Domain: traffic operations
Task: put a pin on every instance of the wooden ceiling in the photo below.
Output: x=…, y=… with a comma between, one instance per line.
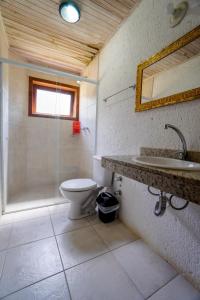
x=37, y=33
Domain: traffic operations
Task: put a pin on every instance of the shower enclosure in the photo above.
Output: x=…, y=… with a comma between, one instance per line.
x=39, y=150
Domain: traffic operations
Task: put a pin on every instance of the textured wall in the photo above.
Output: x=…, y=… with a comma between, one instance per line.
x=42, y=151
x=176, y=236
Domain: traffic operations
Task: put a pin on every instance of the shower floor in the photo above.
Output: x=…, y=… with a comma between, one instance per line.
x=35, y=197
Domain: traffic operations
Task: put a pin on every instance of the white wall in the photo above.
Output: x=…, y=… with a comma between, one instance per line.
x=176, y=236
x=4, y=116
x=43, y=152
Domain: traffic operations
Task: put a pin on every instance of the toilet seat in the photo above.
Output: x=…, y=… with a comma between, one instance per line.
x=78, y=185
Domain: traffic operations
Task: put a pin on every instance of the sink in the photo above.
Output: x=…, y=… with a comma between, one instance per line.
x=167, y=163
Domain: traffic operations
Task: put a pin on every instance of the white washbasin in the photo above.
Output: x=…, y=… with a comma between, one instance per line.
x=167, y=163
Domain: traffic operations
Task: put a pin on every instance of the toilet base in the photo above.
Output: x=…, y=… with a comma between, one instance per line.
x=75, y=212
x=81, y=194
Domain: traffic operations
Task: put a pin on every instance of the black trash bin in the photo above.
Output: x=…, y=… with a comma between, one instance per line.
x=108, y=206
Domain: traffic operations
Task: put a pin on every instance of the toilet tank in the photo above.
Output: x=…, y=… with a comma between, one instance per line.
x=102, y=176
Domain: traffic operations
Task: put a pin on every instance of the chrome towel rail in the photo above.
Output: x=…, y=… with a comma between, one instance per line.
x=119, y=92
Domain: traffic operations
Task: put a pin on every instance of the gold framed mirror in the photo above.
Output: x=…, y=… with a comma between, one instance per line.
x=171, y=75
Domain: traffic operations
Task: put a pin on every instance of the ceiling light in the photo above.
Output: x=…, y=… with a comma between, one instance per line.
x=69, y=11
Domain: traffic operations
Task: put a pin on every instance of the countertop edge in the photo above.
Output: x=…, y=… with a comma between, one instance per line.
x=170, y=181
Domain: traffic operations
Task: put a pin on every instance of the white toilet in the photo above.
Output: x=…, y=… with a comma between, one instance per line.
x=78, y=190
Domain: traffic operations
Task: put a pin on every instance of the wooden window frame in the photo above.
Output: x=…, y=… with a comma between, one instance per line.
x=43, y=84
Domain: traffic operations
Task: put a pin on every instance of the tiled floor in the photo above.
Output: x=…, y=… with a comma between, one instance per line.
x=43, y=255
x=35, y=197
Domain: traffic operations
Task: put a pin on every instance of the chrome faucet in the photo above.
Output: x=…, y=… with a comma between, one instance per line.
x=183, y=152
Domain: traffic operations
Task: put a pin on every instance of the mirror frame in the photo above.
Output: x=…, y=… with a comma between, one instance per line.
x=172, y=99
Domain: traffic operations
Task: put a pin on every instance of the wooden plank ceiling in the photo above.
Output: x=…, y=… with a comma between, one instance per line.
x=37, y=33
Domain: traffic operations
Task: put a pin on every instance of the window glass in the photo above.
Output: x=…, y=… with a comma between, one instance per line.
x=53, y=103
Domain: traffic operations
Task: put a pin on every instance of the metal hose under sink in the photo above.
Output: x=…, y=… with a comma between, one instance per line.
x=161, y=204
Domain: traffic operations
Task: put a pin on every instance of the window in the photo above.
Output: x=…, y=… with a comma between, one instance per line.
x=49, y=99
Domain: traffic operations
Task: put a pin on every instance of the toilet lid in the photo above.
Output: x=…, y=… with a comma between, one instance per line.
x=78, y=185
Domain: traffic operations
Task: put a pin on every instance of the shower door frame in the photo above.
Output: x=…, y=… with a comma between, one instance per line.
x=3, y=140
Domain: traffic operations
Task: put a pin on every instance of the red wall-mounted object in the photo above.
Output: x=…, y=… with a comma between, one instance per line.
x=76, y=127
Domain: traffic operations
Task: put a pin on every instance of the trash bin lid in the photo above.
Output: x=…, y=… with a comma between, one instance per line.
x=106, y=200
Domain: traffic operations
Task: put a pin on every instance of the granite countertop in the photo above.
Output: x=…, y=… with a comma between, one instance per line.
x=184, y=184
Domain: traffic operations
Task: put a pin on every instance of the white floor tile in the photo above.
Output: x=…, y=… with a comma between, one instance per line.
x=177, y=289
x=147, y=270
x=79, y=246
x=59, y=208
x=101, y=279
x=27, y=264
x=6, y=219
x=115, y=234
x=53, y=288
x=94, y=220
x=132, y=272
x=62, y=223
x=30, y=214
x=2, y=259
x=34, y=204
x=5, y=232
x=24, y=215
x=30, y=231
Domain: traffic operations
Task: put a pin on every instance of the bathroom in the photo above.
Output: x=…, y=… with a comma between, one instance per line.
x=44, y=254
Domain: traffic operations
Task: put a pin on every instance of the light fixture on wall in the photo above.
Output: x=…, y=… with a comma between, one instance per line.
x=177, y=13
x=69, y=11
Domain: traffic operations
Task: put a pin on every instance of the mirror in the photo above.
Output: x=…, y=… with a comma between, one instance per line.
x=170, y=76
